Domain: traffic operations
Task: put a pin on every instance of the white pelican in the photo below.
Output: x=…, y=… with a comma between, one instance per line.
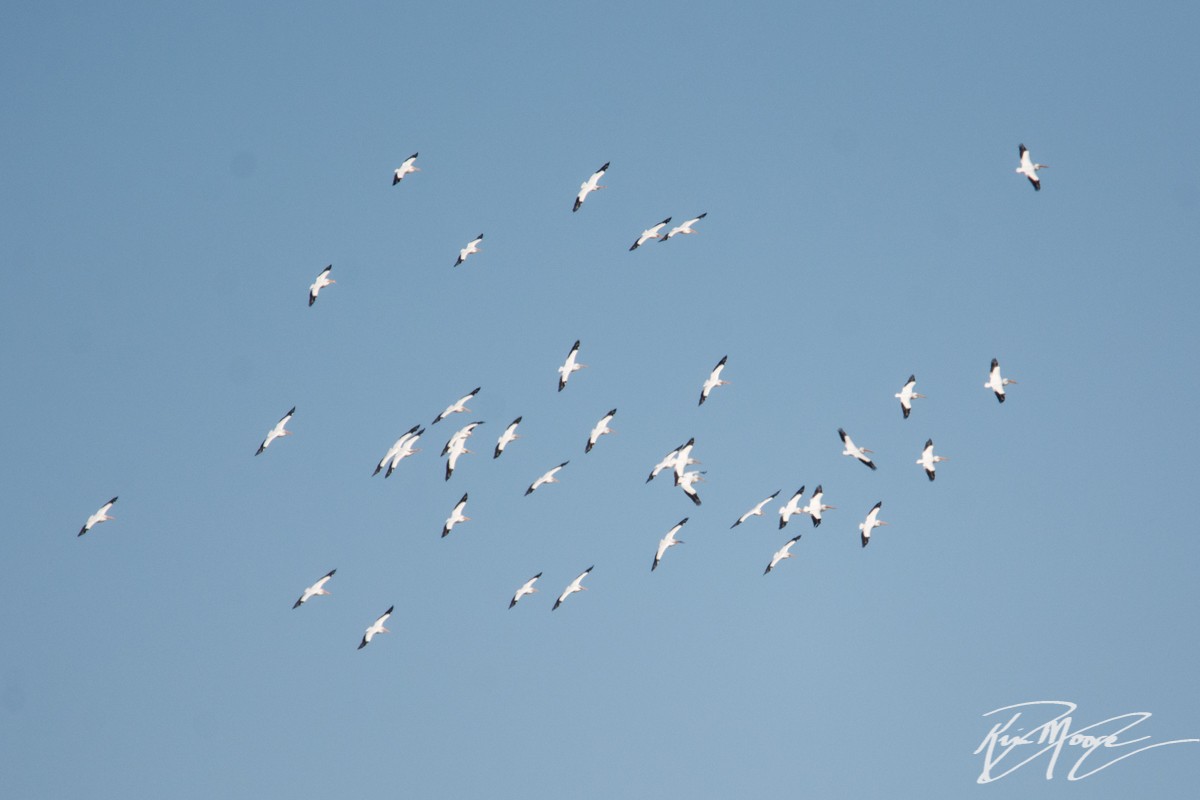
x=782, y=553
x=569, y=366
x=277, y=431
x=683, y=457
x=547, y=477
x=714, y=380
x=376, y=627
x=589, y=186
x=457, y=448
x=648, y=234
x=526, y=588
x=456, y=516
x=461, y=435
x=997, y=383
x=316, y=589
x=790, y=509
x=101, y=515
x=399, y=450
x=457, y=407
x=599, y=430
x=684, y=228
x=472, y=247
x=1029, y=169
x=407, y=168
x=668, y=541
x=907, y=395
x=320, y=283
x=688, y=484
x=668, y=462
x=508, y=437
x=928, y=459
x=870, y=523
x=851, y=449
x=573, y=587
x=815, y=507
x=757, y=511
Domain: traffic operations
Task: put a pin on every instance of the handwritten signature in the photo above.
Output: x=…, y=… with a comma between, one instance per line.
x=1007, y=741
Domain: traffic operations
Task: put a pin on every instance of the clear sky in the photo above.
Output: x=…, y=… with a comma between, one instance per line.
x=175, y=178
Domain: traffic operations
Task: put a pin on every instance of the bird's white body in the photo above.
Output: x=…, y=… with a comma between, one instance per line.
x=456, y=446
x=756, y=511
x=279, y=430
x=547, y=477
x=101, y=515
x=509, y=436
x=526, y=588
x=573, y=587
x=996, y=382
x=376, y=627
x=870, y=523
x=316, y=590
x=714, y=380
x=570, y=365
x=782, y=553
x=403, y=447
x=790, y=509
x=1029, y=169
x=684, y=228
x=471, y=248
x=683, y=457
x=667, y=542
x=406, y=168
x=601, y=429
x=928, y=460
x=456, y=516
x=649, y=233
x=907, y=394
x=590, y=185
x=320, y=283
x=688, y=481
x=854, y=451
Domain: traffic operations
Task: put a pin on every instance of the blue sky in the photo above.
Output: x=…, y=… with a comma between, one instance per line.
x=176, y=178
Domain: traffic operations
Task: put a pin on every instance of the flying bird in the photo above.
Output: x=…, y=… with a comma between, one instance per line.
x=376, y=627
x=907, y=395
x=668, y=462
x=589, y=186
x=407, y=168
x=815, y=506
x=320, y=283
x=400, y=450
x=668, y=541
x=782, y=553
x=508, y=437
x=688, y=484
x=101, y=515
x=648, y=234
x=472, y=247
x=277, y=431
x=599, y=430
x=683, y=457
x=997, y=383
x=757, y=511
x=547, y=477
x=1029, y=169
x=456, y=446
x=870, y=523
x=526, y=588
x=851, y=449
x=684, y=228
x=714, y=380
x=456, y=516
x=457, y=407
x=569, y=366
x=790, y=509
x=928, y=459
x=315, y=590
x=573, y=587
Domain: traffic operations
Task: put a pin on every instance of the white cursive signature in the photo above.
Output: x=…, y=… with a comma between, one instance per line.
x=1051, y=736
